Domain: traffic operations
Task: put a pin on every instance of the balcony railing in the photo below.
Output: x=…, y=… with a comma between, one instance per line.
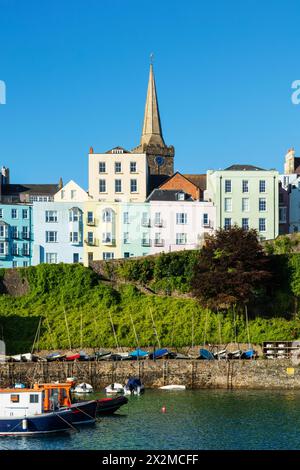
x=146, y=242
x=108, y=241
x=25, y=253
x=159, y=242
x=158, y=223
x=146, y=223
x=91, y=222
x=93, y=242
x=26, y=236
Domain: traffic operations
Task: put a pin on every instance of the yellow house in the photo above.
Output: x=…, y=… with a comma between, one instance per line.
x=102, y=231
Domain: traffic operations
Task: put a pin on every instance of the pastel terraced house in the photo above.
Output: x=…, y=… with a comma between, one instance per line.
x=247, y=196
x=177, y=222
x=101, y=231
x=16, y=235
x=135, y=229
x=58, y=234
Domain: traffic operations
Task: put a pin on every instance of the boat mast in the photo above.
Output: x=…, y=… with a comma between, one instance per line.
x=114, y=331
x=154, y=329
x=37, y=336
x=247, y=326
x=81, y=338
x=67, y=326
x=134, y=330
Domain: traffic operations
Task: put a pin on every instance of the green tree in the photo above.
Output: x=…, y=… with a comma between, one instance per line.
x=231, y=269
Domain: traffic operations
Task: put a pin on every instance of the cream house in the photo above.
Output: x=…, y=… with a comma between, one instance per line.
x=71, y=192
x=118, y=176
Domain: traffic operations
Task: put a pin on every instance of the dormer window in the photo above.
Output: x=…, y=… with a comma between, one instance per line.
x=117, y=151
x=180, y=196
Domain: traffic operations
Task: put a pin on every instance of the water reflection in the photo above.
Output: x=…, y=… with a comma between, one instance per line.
x=202, y=419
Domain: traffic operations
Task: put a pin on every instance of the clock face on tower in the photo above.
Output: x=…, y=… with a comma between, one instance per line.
x=159, y=160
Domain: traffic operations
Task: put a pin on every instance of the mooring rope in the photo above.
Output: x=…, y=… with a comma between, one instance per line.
x=69, y=424
x=75, y=407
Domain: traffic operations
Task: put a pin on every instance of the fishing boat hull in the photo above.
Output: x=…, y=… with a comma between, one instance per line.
x=46, y=423
x=84, y=412
x=108, y=406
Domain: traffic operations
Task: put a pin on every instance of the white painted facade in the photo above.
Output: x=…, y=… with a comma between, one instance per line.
x=71, y=192
x=291, y=183
x=118, y=176
x=179, y=225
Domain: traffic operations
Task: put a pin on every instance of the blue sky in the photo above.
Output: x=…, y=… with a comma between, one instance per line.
x=76, y=73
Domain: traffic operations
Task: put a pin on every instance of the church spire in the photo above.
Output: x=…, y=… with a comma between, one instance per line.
x=152, y=133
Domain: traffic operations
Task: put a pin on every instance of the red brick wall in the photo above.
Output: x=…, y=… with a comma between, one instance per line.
x=181, y=183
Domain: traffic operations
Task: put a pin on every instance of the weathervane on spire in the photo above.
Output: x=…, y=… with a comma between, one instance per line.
x=151, y=58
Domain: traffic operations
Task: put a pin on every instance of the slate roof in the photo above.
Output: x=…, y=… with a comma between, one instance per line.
x=33, y=189
x=244, y=168
x=167, y=195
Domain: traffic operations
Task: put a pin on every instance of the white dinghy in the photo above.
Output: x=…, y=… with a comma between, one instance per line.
x=173, y=387
x=83, y=388
x=114, y=388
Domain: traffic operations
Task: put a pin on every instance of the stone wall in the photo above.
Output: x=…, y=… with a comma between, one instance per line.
x=260, y=374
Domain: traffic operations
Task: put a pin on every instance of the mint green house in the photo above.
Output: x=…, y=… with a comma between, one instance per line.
x=135, y=229
x=247, y=196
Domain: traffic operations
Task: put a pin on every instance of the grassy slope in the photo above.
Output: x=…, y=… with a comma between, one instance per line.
x=78, y=291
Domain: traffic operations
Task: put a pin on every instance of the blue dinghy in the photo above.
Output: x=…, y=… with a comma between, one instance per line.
x=206, y=354
x=159, y=353
x=249, y=354
x=138, y=354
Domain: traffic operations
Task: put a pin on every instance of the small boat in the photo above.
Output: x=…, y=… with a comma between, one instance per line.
x=249, y=354
x=114, y=388
x=235, y=354
x=134, y=387
x=101, y=355
x=221, y=354
x=182, y=356
x=107, y=406
x=23, y=413
x=83, y=388
x=55, y=356
x=173, y=387
x=73, y=357
x=138, y=354
x=206, y=354
x=159, y=353
x=27, y=357
x=19, y=385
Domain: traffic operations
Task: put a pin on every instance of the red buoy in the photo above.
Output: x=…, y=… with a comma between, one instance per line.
x=164, y=409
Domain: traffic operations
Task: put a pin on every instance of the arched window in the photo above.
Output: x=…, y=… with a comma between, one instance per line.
x=75, y=214
x=107, y=215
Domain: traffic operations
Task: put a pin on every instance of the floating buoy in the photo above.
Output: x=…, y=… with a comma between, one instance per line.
x=164, y=409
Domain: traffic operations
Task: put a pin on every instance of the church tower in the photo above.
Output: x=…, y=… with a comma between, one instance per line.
x=160, y=157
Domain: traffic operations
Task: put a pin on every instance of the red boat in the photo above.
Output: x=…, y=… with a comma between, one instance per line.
x=107, y=406
x=73, y=357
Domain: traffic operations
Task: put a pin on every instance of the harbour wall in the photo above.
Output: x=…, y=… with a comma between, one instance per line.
x=196, y=374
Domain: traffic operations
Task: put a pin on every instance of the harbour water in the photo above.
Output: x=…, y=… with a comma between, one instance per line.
x=194, y=419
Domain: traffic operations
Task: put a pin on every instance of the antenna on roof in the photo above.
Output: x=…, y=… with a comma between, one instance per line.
x=151, y=58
